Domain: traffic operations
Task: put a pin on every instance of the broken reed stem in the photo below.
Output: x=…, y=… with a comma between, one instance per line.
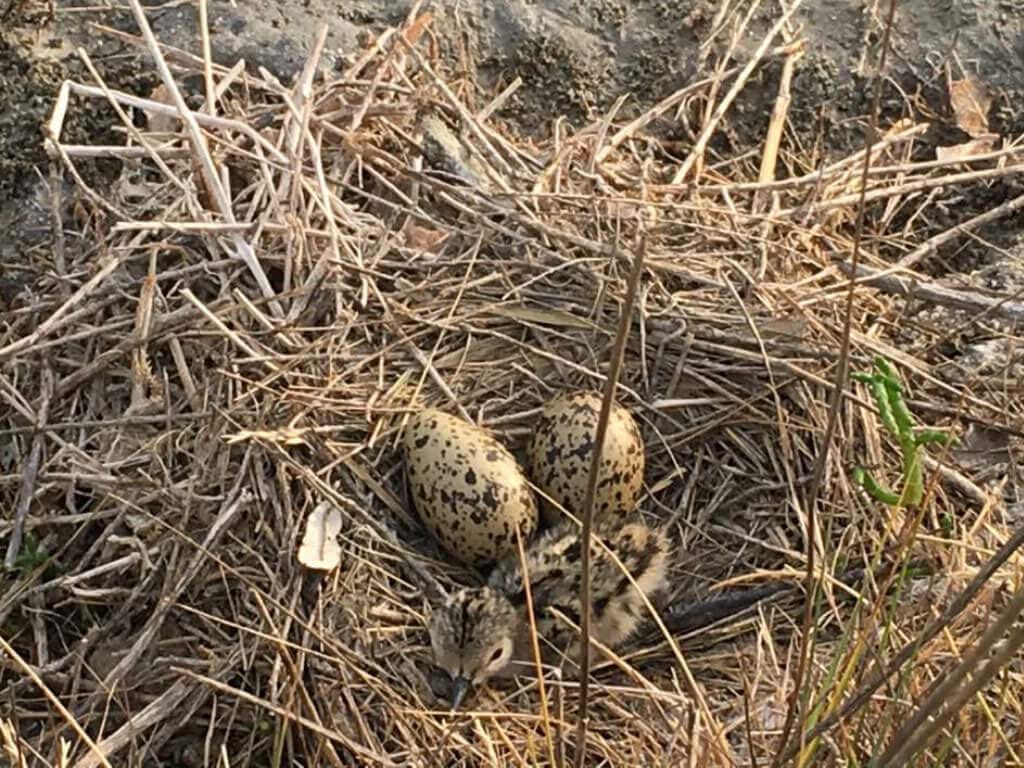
x=545, y=713
x=835, y=400
x=31, y=470
x=863, y=694
x=204, y=36
x=955, y=688
x=777, y=124
x=611, y=382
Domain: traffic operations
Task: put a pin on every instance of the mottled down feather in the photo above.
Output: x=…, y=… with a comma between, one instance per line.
x=485, y=632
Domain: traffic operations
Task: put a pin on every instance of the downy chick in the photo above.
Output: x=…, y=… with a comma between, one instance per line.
x=484, y=632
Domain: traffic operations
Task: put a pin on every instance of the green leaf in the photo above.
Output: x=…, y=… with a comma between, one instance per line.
x=882, y=401
x=926, y=436
x=913, y=472
x=31, y=556
x=873, y=487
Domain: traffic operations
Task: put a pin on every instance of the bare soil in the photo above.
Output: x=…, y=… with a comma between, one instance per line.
x=575, y=58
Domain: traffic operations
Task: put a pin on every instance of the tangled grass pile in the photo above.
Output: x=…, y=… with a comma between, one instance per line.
x=279, y=276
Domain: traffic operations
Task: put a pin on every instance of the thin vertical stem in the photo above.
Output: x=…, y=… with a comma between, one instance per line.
x=611, y=382
x=983, y=661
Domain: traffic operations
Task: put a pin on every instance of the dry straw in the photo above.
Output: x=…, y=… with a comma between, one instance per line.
x=236, y=328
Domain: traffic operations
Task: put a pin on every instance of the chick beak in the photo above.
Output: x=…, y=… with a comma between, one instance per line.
x=460, y=686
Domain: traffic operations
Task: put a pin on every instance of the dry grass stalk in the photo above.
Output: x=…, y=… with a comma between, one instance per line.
x=711, y=126
x=200, y=411
x=939, y=295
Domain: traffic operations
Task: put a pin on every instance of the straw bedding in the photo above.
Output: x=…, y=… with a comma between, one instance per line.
x=268, y=294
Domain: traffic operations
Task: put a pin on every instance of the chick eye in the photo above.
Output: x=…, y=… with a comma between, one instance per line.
x=495, y=655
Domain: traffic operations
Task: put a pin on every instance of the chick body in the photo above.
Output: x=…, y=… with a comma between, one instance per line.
x=485, y=632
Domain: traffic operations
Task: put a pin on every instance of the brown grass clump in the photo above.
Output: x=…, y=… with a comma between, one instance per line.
x=276, y=284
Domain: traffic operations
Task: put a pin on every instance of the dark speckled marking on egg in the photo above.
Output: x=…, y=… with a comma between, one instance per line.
x=467, y=488
x=560, y=452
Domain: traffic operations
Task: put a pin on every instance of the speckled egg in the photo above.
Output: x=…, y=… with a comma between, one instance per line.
x=467, y=488
x=562, y=447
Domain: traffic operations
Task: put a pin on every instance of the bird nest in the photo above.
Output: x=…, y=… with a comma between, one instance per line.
x=281, y=274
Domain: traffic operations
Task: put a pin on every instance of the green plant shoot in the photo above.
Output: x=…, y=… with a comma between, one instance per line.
x=887, y=392
x=31, y=555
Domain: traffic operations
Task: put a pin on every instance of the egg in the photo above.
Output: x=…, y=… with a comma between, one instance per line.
x=469, y=491
x=562, y=447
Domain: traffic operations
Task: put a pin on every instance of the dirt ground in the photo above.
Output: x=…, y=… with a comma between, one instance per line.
x=575, y=58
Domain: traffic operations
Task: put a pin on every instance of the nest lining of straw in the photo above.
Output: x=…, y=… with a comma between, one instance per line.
x=272, y=291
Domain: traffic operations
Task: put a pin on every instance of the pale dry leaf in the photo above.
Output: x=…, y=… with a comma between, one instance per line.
x=623, y=209
x=967, y=150
x=126, y=191
x=783, y=328
x=981, y=446
x=898, y=127
x=424, y=238
x=157, y=122
x=788, y=327
x=970, y=101
x=419, y=25
x=146, y=390
x=666, y=482
x=386, y=613
x=320, y=549
x=484, y=350
x=445, y=153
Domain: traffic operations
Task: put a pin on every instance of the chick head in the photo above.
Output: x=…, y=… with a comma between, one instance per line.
x=473, y=637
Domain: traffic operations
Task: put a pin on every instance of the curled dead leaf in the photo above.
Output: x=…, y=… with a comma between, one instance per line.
x=424, y=238
x=969, y=149
x=970, y=101
x=320, y=549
